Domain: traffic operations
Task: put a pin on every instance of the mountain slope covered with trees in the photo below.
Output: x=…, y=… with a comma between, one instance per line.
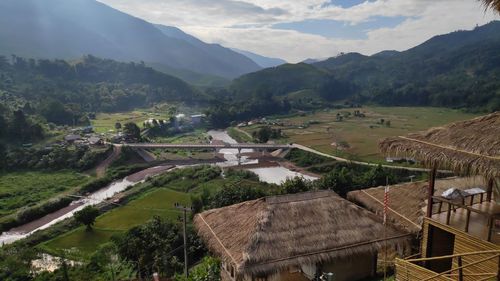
x=459, y=69
x=60, y=29
x=64, y=92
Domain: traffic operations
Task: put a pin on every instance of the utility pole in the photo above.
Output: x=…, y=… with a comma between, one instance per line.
x=185, y=210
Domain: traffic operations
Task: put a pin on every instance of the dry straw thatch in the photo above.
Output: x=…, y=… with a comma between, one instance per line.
x=268, y=235
x=469, y=147
x=494, y=4
x=406, y=203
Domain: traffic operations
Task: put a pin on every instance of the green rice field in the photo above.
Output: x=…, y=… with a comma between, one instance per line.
x=24, y=189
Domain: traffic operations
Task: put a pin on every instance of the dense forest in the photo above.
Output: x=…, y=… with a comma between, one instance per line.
x=62, y=91
x=458, y=70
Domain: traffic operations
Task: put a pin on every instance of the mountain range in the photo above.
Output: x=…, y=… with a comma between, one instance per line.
x=70, y=29
x=459, y=69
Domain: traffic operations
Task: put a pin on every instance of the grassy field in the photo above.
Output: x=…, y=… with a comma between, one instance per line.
x=158, y=202
x=357, y=137
x=23, y=189
x=105, y=122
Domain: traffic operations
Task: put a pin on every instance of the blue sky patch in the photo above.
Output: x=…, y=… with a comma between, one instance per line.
x=341, y=29
x=346, y=3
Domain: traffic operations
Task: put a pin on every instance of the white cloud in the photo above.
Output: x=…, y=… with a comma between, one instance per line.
x=222, y=21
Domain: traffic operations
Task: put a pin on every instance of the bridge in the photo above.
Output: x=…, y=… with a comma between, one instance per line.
x=238, y=146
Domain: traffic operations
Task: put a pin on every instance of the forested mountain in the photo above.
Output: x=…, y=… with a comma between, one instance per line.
x=262, y=61
x=69, y=29
x=460, y=69
x=63, y=92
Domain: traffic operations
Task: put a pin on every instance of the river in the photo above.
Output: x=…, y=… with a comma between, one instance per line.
x=270, y=174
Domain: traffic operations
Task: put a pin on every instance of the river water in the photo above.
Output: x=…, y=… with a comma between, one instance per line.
x=271, y=175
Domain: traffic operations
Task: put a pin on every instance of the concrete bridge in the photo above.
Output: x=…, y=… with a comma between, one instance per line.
x=238, y=146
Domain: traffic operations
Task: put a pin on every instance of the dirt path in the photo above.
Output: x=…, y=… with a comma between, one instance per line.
x=305, y=148
x=243, y=132
x=146, y=155
x=100, y=170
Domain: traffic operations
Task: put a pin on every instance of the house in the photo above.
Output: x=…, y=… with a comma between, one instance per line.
x=95, y=141
x=197, y=119
x=460, y=239
x=72, y=138
x=400, y=160
x=297, y=237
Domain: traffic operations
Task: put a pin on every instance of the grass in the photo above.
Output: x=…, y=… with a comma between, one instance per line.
x=356, y=137
x=28, y=188
x=239, y=135
x=158, y=202
x=105, y=122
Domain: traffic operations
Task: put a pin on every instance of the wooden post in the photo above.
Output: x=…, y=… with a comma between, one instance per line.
x=472, y=199
x=432, y=181
x=467, y=219
x=489, y=191
x=440, y=206
x=490, y=226
x=481, y=198
x=448, y=214
x=460, y=270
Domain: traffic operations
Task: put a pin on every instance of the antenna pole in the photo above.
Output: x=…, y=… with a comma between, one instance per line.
x=185, y=246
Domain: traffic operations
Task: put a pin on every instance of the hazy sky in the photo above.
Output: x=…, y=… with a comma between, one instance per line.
x=298, y=29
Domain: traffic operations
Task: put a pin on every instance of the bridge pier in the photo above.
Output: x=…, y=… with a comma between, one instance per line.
x=239, y=156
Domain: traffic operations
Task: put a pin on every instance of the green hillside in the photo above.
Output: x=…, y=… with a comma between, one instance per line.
x=457, y=70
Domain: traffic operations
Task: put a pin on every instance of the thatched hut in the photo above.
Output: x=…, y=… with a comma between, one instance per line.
x=406, y=205
x=295, y=237
x=408, y=201
x=469, y=147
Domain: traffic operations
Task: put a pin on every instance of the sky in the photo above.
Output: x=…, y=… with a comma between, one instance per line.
x=295, y=30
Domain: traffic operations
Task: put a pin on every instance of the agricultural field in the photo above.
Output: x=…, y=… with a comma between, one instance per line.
x=156, y=197
x=159, y=202
x=105, y=122
x=24, y=189
x=356, y=137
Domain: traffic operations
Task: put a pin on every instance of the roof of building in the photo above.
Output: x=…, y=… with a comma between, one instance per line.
x=270, y=234
x=408, y=201
x=469, y=147
x=72, y=137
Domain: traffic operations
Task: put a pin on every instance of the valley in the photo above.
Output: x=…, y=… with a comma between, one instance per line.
x=345, y=140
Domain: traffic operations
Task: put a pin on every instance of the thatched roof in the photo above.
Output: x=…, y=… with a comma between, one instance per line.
x=469, y=147
x=408, y=201
x=494, y=4
x=264, y=236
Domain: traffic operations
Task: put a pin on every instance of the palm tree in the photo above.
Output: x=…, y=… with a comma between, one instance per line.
x=494, y=4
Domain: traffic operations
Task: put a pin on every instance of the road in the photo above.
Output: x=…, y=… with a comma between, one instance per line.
x=103, y=166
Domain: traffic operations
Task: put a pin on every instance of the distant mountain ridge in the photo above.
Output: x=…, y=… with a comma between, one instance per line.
x=459, y=69
x=262, y=61
x=69, y=29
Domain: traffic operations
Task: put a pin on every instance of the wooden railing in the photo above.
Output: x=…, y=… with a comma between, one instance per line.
x=478, y=269
x=467, y=206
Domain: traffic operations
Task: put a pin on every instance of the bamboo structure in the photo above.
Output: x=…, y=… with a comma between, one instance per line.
x=469, y=147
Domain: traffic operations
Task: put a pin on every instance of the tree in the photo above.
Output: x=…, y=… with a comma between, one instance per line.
x=87, y=216
x=131, y=130
x=118, y=125
x=207, y=270
x=229, y=195
x=295, y=185
x=152, y=248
